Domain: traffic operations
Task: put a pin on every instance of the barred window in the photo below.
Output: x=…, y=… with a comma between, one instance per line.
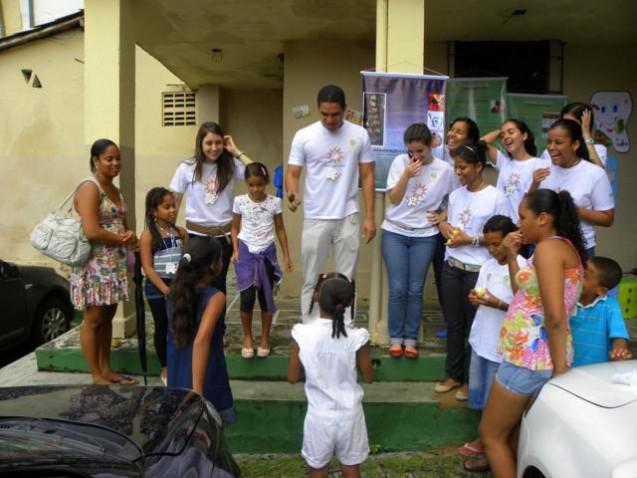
x=178, y=108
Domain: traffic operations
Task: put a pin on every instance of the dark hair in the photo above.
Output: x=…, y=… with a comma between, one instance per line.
x=98, y=148
x=331, y=94
x=257, y=169
x=574, y=131
x=336, y=292
x=472, y=153
x=225, y=162
x=154, y=198
x=529, y=142
x=473, y=132
x=562, y=208
x=200, y=254
x=499, y=223
x=418, y=132
x=577, y=110
x=609, y=271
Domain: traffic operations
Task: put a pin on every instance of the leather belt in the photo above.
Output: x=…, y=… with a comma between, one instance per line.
x=405, y=227
x=462, y=266
x=211, y=231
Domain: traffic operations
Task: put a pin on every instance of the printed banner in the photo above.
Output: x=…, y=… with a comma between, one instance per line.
x=481, y=99
x=392, y=102
x=537, y=111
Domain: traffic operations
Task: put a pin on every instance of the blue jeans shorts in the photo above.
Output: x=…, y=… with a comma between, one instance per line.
x=522, y=381
x=481, y=374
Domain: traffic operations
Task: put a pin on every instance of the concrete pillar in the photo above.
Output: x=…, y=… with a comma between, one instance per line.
x=109, y=102
x=400, y=47
x=208, y=104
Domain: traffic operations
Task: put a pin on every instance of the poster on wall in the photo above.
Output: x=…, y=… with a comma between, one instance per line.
x=612, y=164
x=612, y=110
x=537, y=111
x=392, y=102
x=481, y=99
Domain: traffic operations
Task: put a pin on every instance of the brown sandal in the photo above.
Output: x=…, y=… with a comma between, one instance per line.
x=478, y=463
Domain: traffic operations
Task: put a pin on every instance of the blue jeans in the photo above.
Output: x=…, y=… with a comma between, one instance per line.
x=407, y=260
x=481, y=374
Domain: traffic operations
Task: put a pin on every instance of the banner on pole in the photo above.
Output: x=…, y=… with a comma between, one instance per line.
x=481, y=99
x=392, y=102
x=537, y=111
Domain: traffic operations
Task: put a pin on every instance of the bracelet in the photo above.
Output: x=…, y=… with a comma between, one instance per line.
x=589, y=141
x=475, y=241
x=239, y=155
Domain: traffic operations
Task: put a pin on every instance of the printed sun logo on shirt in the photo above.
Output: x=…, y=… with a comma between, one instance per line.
x=465, y=217
x=334, y=158
x=512, y=184
x=211, y=189
x=417, y=194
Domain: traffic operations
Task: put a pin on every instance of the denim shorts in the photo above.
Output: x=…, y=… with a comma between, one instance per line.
x=522, y=381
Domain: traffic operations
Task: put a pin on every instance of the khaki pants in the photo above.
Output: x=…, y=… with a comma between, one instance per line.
x=319, y=236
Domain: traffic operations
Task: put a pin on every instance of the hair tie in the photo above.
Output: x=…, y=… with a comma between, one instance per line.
x=187, y=257
x=469, y=148
x=263, y=171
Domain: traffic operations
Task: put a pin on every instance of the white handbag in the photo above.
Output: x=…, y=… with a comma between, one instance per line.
x=60, y=235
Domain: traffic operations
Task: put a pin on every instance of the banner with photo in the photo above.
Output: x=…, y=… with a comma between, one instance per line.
x=481, y=99
x=392, y=102
x=537, y=111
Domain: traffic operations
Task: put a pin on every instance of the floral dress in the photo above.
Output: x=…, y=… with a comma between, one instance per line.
x=103, y=279
x=523, y=337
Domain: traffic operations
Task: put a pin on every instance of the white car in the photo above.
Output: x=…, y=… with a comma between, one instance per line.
x=583, y=424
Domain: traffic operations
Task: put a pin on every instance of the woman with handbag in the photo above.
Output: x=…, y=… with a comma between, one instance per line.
x=100, y=284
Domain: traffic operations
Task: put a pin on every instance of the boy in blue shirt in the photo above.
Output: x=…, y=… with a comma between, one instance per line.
x=598, y=328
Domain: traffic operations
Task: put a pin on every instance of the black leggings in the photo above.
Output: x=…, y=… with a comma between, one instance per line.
x=160, y=337
x=248, y=296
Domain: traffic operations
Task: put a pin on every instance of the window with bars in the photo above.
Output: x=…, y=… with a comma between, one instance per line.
x=178, y=108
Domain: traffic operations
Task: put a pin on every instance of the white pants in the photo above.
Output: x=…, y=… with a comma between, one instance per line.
x=326, y=436
x=319, y=236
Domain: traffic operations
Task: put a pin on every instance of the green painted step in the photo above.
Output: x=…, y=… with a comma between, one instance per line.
x=400, y=417
x=64, y=355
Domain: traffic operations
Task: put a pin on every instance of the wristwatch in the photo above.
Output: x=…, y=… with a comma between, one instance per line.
x=589, y=141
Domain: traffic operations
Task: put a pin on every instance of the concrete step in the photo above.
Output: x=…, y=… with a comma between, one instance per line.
x=400, y=416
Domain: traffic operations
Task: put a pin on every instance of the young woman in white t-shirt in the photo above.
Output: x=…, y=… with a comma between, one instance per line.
x=470, y=206
x=417, y=186
x=257, y=216
x=582, y=114
x=516, y=167
x=207, y=180
x=330, y=354
x=587, y=183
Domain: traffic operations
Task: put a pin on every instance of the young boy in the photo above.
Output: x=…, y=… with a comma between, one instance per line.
x=598, y=328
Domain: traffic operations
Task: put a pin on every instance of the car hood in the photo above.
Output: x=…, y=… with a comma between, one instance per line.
x=129, y=421
x=609, y=385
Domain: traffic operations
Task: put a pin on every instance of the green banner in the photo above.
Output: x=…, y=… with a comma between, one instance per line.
x=537, y=111
x=481, y=99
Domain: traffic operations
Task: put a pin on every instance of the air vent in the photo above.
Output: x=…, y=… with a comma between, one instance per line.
x=178, y=109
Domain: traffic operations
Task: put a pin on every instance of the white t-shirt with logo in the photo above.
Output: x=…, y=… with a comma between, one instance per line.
x=487, y=322
x=469, y=211
x=204, y=206
x=515, y=178
x=600, y=149
x=332, y=159
x=590, y=188
x=447, y=158
x=257, y=221
x=425, y=192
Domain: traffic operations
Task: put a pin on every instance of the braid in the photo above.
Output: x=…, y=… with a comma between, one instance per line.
x=336, y=293
x=338, y=321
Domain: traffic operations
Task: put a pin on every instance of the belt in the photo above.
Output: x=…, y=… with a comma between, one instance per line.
x=405, y=227
x=462, y=266
x=212, y=231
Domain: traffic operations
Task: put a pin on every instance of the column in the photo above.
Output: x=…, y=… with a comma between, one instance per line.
x=109, y=103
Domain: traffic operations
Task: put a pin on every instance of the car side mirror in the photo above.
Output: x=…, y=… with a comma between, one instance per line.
x=8, y=271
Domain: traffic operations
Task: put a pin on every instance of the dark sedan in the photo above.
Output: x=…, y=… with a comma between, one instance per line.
x=91, y=431
x=34, y=305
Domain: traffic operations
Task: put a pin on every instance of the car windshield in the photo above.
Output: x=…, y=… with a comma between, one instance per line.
x=22, y=437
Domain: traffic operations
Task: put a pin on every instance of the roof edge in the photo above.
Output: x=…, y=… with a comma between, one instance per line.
x=68, y=22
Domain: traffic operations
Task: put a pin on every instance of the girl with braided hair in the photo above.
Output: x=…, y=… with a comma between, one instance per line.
x=330, y=354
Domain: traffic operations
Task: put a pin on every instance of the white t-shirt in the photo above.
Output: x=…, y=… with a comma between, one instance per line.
x=446, y=157
x=332, y=159
x=203, y=205
x=602, y=152
x=257, y=221
x=330, y=366
x=487, y=322
x=469, y=211
x=590, y=188
x=515, y=178
x=425, y=192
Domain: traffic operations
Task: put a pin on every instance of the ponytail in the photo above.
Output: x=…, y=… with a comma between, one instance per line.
x=201, y=254
x=334, y=293
x=338, y=321
x=562, y=208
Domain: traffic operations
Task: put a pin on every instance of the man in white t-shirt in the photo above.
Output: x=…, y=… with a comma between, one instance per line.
x=336, y=153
